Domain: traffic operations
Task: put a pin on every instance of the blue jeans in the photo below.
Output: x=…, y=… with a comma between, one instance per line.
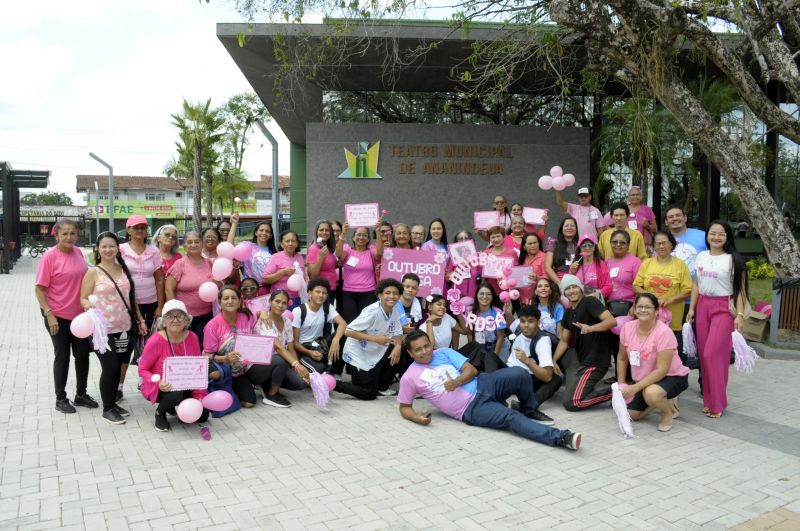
x=488, y=408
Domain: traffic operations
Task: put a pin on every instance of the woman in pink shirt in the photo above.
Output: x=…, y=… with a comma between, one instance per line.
x=642, y=217
x=498, y=249
x=145, y=265
x=650, y=348
x=531, y=255
x=358, y=271
x=284, y=264
x=591, y=270
x=173, y=339
x=622, y=268
x=184, y=280
x=114, y=293
x=321, y=257
x=166, y=238
x=401, y=237
x=58, y=289
x=514, y=238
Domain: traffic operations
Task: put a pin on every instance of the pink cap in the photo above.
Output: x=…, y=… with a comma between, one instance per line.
x=587, y=237
x=135, y=220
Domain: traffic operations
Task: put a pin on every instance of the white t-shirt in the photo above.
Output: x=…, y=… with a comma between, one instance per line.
x=714, y=274
x=313, y=325
x=372, y=321
x=543, y=349
x=443, y=333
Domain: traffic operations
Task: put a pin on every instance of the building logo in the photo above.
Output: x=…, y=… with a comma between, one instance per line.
x=363, y=164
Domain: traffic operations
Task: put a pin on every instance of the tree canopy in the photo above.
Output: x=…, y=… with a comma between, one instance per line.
x=47, y=198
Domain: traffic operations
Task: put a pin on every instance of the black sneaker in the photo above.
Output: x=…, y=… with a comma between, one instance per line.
x=276, y=400
x=122, y=411
x=64, y=406
x=119, y=395
x=540, y=417
x=570, y=440
x=112, y=417
x=162, y=424
x=387, y=392
x=85, y=401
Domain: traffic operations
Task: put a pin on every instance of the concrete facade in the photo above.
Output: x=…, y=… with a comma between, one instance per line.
x=457, y=169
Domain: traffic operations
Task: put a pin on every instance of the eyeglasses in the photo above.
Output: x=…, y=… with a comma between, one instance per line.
x=618, y=243
x=587, y=245
x=645, y=308
x=249, y=288
x=174, y=317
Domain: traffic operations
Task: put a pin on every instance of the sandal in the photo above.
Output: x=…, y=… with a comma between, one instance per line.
x=706, y=410
x=713, y=415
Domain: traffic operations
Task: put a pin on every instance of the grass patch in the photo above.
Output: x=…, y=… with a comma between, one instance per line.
x=760, y=290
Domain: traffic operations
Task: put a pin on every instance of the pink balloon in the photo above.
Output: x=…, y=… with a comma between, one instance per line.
x=243, y=251
x=189, y=410
x=569, y=179
x=467, y=301
x=82, y=326
x=545, y=182
x=503, y=283
x=289, y=315
x=208, y=291
x=226, y=250
x=558, y=183
x=295, y=282
x=504, y=297
x=217, y=401
x=513, y=294
x=222, y=268
x=556, y=171
x=607, y=221
x=512, y=282
x=155, y=378
x=330, y=381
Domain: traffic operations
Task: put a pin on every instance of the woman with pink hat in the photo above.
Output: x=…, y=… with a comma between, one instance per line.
x=591, y=270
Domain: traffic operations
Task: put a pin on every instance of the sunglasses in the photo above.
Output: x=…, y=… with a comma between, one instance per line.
x=618, y=243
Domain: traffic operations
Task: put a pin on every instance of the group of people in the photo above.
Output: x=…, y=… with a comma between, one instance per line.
x=583, y=282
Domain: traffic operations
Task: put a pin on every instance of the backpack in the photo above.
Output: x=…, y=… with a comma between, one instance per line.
x=326, y=326
x=225, y=383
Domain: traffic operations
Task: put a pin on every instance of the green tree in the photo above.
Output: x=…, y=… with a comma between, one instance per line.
x=230, y=183
x=240, y=113
x=47, y=198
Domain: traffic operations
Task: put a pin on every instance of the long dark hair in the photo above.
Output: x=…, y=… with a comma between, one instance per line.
x=495, y=299
x=523, y=254
x=329, y=243
x=270, y=242
x=560, y=248
x=120, y=261
x=555, y=295
x=444, y=230
x=739, y=266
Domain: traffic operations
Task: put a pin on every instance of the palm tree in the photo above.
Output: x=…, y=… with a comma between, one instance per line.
x=230, y=183
x=200, y=130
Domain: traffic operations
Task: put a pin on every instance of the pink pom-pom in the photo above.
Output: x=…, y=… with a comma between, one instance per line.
x=556, y=171
x=155, y=378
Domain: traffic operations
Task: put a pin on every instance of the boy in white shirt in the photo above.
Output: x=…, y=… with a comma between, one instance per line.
x=312, y=325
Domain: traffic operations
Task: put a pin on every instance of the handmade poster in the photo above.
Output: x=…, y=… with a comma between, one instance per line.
x=522, y=275
x=186, y=372
x=495, y=265
x=258, y=304
x=362, y=214
x=534, y=216
x=428, y=265
x=257, y=349
x=462, y=251
x=485, y=220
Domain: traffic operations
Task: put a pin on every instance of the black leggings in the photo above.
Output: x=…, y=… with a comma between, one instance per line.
x=364, y=385
x=63, y=342
x=110, y=363
x=263, y=375
x=355, y=301
x=169, y=401
x=199, y=322
x=148, y=312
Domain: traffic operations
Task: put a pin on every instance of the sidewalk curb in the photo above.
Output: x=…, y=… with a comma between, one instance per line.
x=773, y=353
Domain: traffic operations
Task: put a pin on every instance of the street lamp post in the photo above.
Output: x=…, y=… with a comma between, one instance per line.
x=110, y=190
x=97, y=206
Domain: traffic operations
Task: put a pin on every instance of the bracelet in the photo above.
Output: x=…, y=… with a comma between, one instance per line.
x=740, y=313
x=48, y=312
x=295, y=364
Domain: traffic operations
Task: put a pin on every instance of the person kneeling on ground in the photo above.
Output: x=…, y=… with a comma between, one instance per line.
x=373, y=343
x=652, y=351
x=313, y=341
x=447, y=380
x=585, y=365
x=533, y=351
x=174, y=339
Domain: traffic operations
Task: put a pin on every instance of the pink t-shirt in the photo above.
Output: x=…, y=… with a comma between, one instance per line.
x=358, y=270
x=510, y=243
x=328, y=268
x=661, y=338
x=218, y=330
x=143, y=267
x=595, y=276
x=645, y=213
x=623, y=272
x=537, y=267
x=190, y=277
x=280, y=261
x=508, y=252
x=110, y=303
x=152, y=362
x=62, y=273
x=589, y=218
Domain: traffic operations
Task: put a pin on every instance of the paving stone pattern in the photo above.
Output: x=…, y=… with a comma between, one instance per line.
x=361, y=466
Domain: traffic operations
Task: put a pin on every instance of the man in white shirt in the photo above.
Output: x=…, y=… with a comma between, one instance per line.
x=589, y=218
x=312, y=325
x=373, y=342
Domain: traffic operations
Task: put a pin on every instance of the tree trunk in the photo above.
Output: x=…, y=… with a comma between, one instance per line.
x=196, y=188
x=209, y=200
x=744, y=178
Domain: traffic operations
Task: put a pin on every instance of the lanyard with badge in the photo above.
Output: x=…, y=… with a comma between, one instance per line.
x=635, y=356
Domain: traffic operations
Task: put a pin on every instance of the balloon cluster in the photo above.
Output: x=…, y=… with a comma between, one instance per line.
x=557, y=179
x=190, y=409
x=507, y=285
x=223, y=267
x=458, y=305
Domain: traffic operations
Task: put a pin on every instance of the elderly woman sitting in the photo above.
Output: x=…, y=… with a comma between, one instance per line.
x=173, y=339
x=652, y=351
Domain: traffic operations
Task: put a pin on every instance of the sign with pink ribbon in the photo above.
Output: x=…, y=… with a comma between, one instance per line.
x=362, y=214
x=428, y=265
x=186, y=372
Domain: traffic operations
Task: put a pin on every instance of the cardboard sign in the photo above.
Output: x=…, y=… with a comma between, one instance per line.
x=495, y=265
x=362, y=215
x=462, y=251
x=428, y=265
x=487, y=219
x=522, y=275
x=534, y=216
x=257, y=349
x=186, y=372
x=258, y=304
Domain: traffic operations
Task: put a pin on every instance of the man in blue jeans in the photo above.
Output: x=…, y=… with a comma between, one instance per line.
x=447, y=380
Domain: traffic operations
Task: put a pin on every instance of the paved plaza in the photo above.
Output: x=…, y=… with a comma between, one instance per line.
x=361, y=466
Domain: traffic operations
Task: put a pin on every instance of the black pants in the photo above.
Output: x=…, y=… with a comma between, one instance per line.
x=364, y=385
x=545, y=390
x=110, y=363
x=199, y=322
x=63, y=341
x=263, y=375
x=148, y=312
x=492, y=362
x=355, y=301
x=584, y=383
x=169, y=401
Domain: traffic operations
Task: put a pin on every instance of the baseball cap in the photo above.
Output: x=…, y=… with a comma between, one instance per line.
x=583, y=190
x=587, y=237
x=135, y=220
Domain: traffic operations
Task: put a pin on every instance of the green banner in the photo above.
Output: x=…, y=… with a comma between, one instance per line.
x=148, y=209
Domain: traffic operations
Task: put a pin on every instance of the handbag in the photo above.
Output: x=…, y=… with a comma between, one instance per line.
x=619, y=308
x=133, y=333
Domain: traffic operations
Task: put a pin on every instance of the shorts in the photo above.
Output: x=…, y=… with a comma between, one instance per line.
x=673, y=385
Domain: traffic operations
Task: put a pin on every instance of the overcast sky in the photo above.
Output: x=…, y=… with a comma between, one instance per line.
x=104, y=76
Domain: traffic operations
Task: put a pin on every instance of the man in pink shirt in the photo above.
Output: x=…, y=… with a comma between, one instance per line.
x=589, y=218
